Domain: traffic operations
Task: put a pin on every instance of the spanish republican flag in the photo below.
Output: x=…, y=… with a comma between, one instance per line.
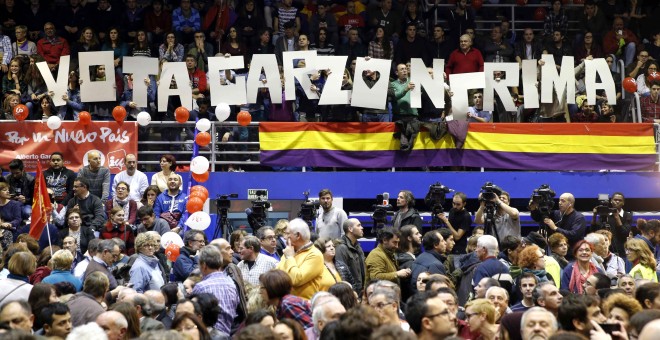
x=41, y=205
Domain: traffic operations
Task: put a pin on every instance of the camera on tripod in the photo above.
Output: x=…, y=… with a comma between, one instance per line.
x=308, y=209
x=436, y=197
x=223, y=203
x=489, y=191
x=258, y=214
x=381, y=210
x=604, y=207
x=543, y=197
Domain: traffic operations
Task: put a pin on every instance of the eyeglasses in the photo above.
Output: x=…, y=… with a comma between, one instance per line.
x=443, y=313
x=381, y=305
x=269, y=238
x=202, y=241
x=425, y=280
x=469, y=315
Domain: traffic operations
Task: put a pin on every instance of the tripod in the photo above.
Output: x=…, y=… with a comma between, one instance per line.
x=489, y=221
x=223, y=226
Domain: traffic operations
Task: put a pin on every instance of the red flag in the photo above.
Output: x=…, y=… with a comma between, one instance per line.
x=41, y=206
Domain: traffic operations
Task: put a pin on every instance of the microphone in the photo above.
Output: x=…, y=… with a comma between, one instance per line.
x=248, y=211
x=386, y=198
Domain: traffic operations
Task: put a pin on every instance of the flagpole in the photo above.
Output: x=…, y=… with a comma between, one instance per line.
x=50, y=219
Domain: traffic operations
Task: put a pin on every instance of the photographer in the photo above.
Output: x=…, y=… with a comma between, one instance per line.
x=618, y=223
x=459, y=222
x=566, y=221
x=506, y=219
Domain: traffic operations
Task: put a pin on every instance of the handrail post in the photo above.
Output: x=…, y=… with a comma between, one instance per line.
x=638, y=112
x=622, y=74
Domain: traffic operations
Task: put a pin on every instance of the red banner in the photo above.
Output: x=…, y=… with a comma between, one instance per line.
x=34, y=142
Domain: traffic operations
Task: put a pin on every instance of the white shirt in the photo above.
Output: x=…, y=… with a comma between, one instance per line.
x=138, y=183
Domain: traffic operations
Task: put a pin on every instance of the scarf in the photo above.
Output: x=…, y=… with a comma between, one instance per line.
x=577, y=280
x=541, y=274
x=123, y=204
x=18, y=277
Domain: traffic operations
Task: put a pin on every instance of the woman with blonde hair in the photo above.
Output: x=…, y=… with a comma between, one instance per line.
x=639, y=254
x=480, y=315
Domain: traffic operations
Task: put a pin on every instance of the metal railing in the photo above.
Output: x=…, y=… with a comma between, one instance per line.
x=182, y=148
x=514, y=22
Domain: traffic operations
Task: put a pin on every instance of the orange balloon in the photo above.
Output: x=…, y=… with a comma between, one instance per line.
x=476, y=4
x=200, y=188
x=203, y=138
x=119, y=113
x=201, y=178
x=84, y=118
x=199, y=194
x=181, y=114
x=539, y=14
x=194, y=204
x=629, y=84
x=172, y=251
x=21, y=112
x=244, y=118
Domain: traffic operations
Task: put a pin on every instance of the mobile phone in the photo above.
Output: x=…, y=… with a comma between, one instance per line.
x=610, y=327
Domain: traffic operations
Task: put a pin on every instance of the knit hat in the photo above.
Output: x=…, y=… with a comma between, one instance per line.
x=537, y=239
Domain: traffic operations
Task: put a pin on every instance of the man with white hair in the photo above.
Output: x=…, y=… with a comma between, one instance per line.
x=537, y=323
x=598, y=241
x=499, y=297
x=301, y=260
x=325, y=309
x=487, y=251
x=114, y=324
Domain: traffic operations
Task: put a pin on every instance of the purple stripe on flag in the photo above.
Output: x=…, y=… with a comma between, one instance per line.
x=453, y=157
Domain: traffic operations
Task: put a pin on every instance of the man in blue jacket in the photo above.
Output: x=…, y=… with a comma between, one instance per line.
x=433, y=258
x=171, y=204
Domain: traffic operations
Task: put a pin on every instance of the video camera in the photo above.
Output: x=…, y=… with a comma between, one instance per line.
x=308, y=209
x=436, y=197
x=258, y=214
x=489, y=191
x=604, y=207
x=543, y=197
x=381, y=208
x=223, y=203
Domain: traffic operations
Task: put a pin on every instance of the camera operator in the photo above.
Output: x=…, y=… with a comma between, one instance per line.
x=566, y=221
x=407, y=214
x=507, y=221
x=459, y=222
x=330, y=221
x=619, y=223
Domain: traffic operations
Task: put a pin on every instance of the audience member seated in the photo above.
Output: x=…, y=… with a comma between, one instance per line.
x=90, y=206
x=21, y=186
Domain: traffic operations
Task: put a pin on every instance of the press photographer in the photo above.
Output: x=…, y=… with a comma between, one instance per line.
x=504, y=218
x=566, y=221
x=609, y=214
x=459, y=222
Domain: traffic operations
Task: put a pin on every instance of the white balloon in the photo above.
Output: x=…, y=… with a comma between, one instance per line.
x=222, y=112
x=203, y=124
x=169, y=238
x=54, y=122
x=199, y=220
x=143, y=118
x=199, y=165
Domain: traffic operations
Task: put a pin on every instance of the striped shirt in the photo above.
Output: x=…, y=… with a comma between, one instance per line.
x=224, y=289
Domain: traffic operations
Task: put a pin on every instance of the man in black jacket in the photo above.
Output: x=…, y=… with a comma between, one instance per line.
x=619, y=223
x=407, y=214
x=59, y=178
x=350, y=252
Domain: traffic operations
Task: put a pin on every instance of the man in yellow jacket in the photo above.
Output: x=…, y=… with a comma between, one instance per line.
x=301, y=260
x=381, y=263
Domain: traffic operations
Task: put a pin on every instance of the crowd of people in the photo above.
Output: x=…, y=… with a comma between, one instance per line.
x=191, y=31
x=100, y=269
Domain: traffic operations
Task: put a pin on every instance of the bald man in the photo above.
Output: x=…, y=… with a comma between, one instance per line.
x=136, y=179
x=114, y=324
x=97, y=175
x=158, y=310
x=566, y=220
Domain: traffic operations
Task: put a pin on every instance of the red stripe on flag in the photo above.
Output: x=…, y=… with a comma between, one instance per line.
x=41, y=205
